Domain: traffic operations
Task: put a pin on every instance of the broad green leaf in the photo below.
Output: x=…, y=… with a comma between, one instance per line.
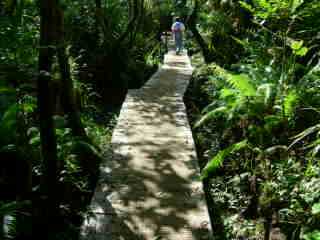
x=302, y=51
x=298, y=48
x=296, y=45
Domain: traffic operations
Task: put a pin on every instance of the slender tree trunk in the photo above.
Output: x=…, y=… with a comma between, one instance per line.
x=68, y=98
x=267, y=227
x=49, y=184
x=207, y=54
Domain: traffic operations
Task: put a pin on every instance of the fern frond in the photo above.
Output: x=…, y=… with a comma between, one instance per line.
x=209, y=107
x=217, y=160
x=242, y=83
x=10, y=211
x=210, y=115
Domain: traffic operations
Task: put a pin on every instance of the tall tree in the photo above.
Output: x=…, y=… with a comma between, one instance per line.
x=49, y=185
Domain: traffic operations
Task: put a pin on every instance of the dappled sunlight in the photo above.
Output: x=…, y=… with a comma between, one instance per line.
x=150, y=187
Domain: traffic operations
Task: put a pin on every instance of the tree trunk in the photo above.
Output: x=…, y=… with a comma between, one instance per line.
x=99, y=20
x=49, y=183
x=68, y=98
x=1, y=227
x=267, y=227
x=207, y=54
x=23, y=174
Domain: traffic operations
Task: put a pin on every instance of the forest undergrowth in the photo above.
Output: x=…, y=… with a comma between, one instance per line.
x=255, y=115
x=65, y=68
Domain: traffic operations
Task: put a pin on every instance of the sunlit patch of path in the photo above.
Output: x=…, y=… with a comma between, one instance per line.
x=149, y=187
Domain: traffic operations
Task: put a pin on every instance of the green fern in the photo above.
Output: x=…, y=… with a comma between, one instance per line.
x=226, y=93
x=243, y=84
x=10, y=210
x=217, y=160
x=210, y=115
x=290, y=103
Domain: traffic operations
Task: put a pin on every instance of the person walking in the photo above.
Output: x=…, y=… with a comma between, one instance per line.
x=177, y=30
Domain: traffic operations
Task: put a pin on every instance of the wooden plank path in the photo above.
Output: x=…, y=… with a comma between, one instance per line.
x=150, y=189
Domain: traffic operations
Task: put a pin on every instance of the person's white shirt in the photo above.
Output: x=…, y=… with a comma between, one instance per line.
x=180, y=25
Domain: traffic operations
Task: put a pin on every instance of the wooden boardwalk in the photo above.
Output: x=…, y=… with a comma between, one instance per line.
x=149, y=188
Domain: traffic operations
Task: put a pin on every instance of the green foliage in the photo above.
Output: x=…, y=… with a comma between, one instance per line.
x=316, y=209
x=243, y=84
x=290, y=103
x=298, y=49
x=20, y=29
x=11, y=212
x=298, y=138
x=315, y=235
x=217, y=161
x=269, y=96
x=272, y=9
x=210, y=115
x=8, y=124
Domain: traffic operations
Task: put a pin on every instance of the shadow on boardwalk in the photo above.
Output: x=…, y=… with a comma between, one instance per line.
x=121, y=213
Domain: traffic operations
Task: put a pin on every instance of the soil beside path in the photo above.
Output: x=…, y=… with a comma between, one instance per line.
x=150, y=188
